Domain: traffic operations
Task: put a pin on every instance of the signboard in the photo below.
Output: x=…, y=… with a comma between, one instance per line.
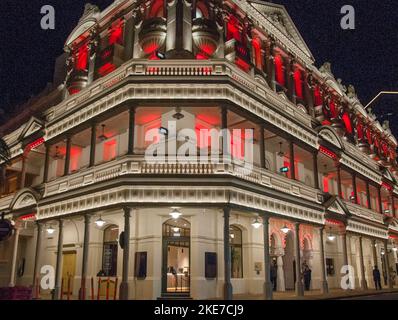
x=5, y=229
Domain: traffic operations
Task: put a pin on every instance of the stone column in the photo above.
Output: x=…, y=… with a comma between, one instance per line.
x=374, y=251
x=227, y=257
x=23, y=172
x=124, y=286
x=14, y=258
x=267, y=260
x=131, y=131
x=46, y=163
x=270, y=63
x=58, y=270
x=292, y=165
x=380, y=201
x=37, y=261
x=299, y=283
x=280, y=281
x=364, y=284
x=86, y=241
x=262, y=148
x=3, y=179
x=339, y=188
x=315, y=164
x=67, y=156
x=393, y=212
x=354, y=187
x=368, y=195
x=389, y=282
x=93, y=144
x=224, y=127
x=324, y=282
x=345, y=250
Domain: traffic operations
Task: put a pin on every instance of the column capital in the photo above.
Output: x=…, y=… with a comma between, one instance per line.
x=127, y=211
x=87, y=218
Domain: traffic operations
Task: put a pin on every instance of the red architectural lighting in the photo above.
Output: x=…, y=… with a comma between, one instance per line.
x=328, y=152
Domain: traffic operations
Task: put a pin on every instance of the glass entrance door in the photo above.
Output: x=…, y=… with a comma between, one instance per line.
x=176, y=277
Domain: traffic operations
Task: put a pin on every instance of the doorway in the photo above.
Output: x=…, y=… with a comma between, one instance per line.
x=176, y=277
x=289, y=263
x=68, y=272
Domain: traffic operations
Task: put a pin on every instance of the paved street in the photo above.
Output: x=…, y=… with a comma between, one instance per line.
x=386, y=296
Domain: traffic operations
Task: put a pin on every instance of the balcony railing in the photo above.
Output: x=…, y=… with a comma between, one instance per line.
x=130, y=165
x=362, y=212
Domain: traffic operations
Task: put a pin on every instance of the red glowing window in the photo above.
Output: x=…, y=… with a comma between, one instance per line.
x=333, y=109
x=347, y=122
x=369, y=135
x=109, y=150
x=233, y=29
x=318, y=96
x=257, y=53
x=360, y=130
x=82, y=58
x=279, y=70
x=201, y=6
x=116, y=34
x=298, y=83
x=325, y=184
x=75, y=156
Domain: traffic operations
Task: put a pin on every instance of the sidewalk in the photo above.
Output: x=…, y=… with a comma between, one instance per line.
x=317, y=295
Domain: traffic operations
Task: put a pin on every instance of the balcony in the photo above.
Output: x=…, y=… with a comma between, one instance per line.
x=363, y=212
x=135, y=165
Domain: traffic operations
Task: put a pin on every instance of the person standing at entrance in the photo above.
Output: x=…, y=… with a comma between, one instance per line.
x=377, y=278
x=274, y=274
x=307, y=277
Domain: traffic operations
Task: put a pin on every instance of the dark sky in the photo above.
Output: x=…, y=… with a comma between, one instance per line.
x=365, y=57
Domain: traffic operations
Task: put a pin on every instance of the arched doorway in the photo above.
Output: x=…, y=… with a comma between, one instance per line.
x=289, y=262
x=176, y=244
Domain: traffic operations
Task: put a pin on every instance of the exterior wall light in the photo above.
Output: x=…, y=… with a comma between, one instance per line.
x=331, y=237
x=50, y=230
x=100, y=223
x=256, y=224
x=175, y=214
x=285, y=229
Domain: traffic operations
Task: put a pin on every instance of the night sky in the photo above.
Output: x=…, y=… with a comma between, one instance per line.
x=365, y=57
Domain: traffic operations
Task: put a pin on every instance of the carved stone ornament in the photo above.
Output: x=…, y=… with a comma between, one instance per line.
x=326, y=68
x=89, y=10
x=351, y=91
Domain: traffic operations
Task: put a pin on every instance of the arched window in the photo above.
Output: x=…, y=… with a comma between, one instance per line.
x=279, y=70
x=109, y=253
x=298, y=83
x=257, y=53
x=236, y=252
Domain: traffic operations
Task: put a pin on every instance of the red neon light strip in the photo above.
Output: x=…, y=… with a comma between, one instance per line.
x=328, y=152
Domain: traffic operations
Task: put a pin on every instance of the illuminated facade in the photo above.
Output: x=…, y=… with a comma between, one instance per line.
x=322, y=191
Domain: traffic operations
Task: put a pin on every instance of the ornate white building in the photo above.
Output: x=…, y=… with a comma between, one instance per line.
x=85, y=201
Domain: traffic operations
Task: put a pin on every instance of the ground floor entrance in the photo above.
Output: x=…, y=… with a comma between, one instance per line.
x=176, y=278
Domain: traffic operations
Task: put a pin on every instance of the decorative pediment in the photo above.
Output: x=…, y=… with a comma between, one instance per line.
x=336, y=206
x=387, y=174
x=31, y=127
x=280, y=18
x=329, y=135
x=25, y=198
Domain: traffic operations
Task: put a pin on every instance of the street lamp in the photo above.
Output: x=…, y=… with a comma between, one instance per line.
x=380, y=94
